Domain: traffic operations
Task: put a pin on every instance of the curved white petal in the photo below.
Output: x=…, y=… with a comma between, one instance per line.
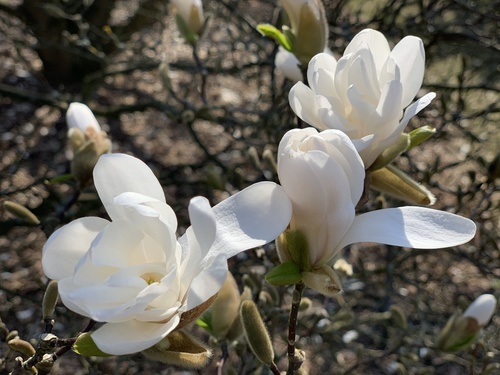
x=482, y=309
x=415, y=108
x=207, y=282
x=250, y=218
x=288, y=64
x=68, y=244
x=203, y=223
x=415, y=227
x=377, y=43
x=119, y=173
x=303, y=103
x=80, y=116
x=409, y=55
x=132, y=336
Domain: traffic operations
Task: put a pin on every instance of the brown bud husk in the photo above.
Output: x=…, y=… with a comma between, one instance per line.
x=323, y=280
x=21, y=212
x=180, y=349
x=21, y=346
x=50, y=300
x=395, y=182
x=256, y=332
x=193, y=314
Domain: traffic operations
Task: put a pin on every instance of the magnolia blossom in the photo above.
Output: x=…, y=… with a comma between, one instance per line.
x=308, y=26
x=482, y=309
x=323, y=176
x=191, y=12
x=365, y=92
x=87, y=141
x=133, y=274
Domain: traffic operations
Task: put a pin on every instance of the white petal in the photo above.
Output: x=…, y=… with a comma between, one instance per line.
x=80, y=116
x=321, y=74
x=415, y=227
x=203, y=223
x=409, y=56
x=415, y=108
x=482, y=309
x=207, y=282
x=288, y=64
x=303, y=102
x=250, y=218
x=377, y=44
x=68, y=244
x=119, y=173
x=132, y=336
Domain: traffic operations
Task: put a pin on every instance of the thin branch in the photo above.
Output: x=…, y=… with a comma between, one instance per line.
x=293, y=361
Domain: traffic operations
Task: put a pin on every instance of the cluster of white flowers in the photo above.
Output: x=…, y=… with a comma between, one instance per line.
x=133, y=274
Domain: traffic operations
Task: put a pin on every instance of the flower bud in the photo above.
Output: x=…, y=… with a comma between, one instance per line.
x=180, y=349
x=21, y=212
x=420, y=135
x=87, y=141
x=462, y=330
x=392, y=152
x=256, y=332
x=22, y=347
x=392, y=181
x=50, y=300
x=225, y=307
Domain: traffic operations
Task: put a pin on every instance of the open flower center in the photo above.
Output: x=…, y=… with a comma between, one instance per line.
x=151, y=277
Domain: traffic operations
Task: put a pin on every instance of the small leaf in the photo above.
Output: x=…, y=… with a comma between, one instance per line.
x=285, y=274
x=85, y=345
x=272, y=32
x=58, y=179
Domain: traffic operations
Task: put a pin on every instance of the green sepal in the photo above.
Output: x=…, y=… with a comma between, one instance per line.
x=286, y=273
x=392, y=152
x=272, y=32
x=204, y=321
x=85, y=345
x=190, y=37
x=420, y=135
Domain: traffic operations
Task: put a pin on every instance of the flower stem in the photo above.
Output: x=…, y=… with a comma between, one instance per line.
x=294, y=362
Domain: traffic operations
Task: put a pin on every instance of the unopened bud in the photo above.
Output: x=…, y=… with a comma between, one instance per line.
x=50, y=300
x=21, y=346
x=395, y=182
x=254, y=157
x=21, y=212
x=12, y=335
x=46, y=364
x=268, y=157
x=256, y=333
x=312, y=34
x=225, y=307
x=305, y=304
x=398, y=317
x=482, y=309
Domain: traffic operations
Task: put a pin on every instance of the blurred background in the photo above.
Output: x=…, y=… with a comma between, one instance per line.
x=207, y=124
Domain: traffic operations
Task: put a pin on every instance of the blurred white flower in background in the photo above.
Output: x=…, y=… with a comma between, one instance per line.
x=482, y=309
x=87, y=141
x=364, y=93
x=323, y=176
x=289, y=65
x=133, y=274
x=190, y=13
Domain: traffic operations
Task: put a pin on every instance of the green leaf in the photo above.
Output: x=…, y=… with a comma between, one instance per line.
x=85, y=345
x=286, y=273
x=272, y=32
x=59, y=179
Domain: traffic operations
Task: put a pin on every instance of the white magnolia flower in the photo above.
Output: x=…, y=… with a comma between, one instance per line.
x=323, y=176
x=191, y=12
x=482, y=309
x=132, y=273
x=87, y=141
x=365, y=92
